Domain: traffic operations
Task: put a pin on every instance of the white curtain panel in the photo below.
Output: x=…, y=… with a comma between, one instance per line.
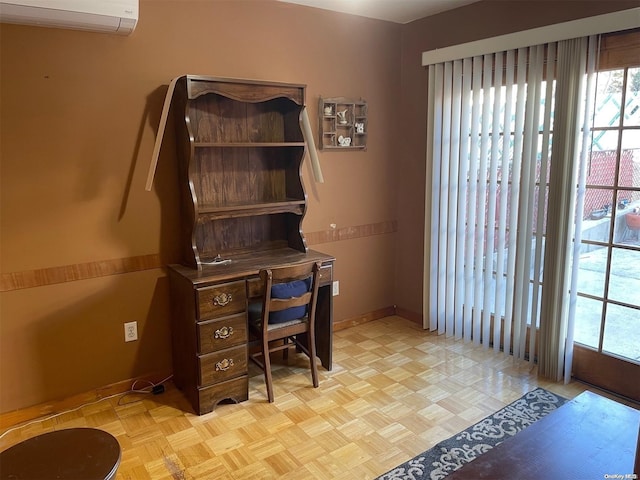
x=492, y=127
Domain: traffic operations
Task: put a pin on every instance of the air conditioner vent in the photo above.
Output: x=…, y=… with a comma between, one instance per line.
x=107, y=16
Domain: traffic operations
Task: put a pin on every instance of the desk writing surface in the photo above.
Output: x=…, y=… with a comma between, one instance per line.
x=247, y=265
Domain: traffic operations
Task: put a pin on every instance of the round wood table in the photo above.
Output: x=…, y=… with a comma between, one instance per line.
x=70, y=454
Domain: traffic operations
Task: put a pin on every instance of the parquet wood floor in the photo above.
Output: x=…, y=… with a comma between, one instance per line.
x=394, y=391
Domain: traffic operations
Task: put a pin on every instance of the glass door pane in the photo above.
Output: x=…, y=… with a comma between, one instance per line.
x=607, y=321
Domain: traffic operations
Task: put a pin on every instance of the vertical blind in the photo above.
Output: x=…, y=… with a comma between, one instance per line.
x=575, y=98
x=490, y=138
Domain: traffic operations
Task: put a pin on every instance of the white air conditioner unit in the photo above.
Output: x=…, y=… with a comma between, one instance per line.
x=108, y=16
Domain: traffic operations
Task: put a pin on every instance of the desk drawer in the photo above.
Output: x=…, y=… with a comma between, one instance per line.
x=220, y=300
x=222, y=333
x=223, y=365
x=236, y=389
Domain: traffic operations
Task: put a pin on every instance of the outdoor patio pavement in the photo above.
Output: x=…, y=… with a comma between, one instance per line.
x=622, y=330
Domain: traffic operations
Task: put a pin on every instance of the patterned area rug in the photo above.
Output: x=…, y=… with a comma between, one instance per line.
x=451, y=454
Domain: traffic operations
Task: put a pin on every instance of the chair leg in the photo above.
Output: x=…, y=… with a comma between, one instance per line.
x=285, y=352
x=311, y=338
x=267, y=369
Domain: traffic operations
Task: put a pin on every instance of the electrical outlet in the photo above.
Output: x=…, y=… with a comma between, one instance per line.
x=130, y=331
x=336, y=288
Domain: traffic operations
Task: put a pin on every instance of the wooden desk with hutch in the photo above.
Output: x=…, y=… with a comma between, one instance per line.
x=240, y=150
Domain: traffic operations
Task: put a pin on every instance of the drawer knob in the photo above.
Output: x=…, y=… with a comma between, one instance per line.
x=224, y=332
x=222, y=299
x=224, y=365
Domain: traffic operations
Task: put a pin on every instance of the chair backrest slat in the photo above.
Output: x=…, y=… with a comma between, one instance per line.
x=278, y=304
x=292, y=272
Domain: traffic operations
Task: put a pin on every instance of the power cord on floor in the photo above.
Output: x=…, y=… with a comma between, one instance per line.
x=154, y=388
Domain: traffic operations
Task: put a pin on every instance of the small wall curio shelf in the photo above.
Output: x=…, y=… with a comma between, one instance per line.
x=342, y=123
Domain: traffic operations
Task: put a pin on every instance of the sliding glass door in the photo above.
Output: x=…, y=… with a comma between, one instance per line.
x=607, y=322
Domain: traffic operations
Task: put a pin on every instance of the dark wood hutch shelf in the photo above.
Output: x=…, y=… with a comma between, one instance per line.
x=248, y=144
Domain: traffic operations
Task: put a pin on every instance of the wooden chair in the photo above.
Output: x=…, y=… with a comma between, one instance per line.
x=286, y=312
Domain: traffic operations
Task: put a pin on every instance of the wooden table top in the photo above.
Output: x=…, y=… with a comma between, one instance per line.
x=69, y=454
x=588, y=437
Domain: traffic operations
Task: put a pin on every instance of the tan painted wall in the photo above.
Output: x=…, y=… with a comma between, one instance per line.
x=484, y=19
x=78, y=115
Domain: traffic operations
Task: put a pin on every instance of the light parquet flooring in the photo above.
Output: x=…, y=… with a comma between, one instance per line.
x=394, y=391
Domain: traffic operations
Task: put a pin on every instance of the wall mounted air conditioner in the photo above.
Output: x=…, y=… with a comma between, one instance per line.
x=108, y=16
